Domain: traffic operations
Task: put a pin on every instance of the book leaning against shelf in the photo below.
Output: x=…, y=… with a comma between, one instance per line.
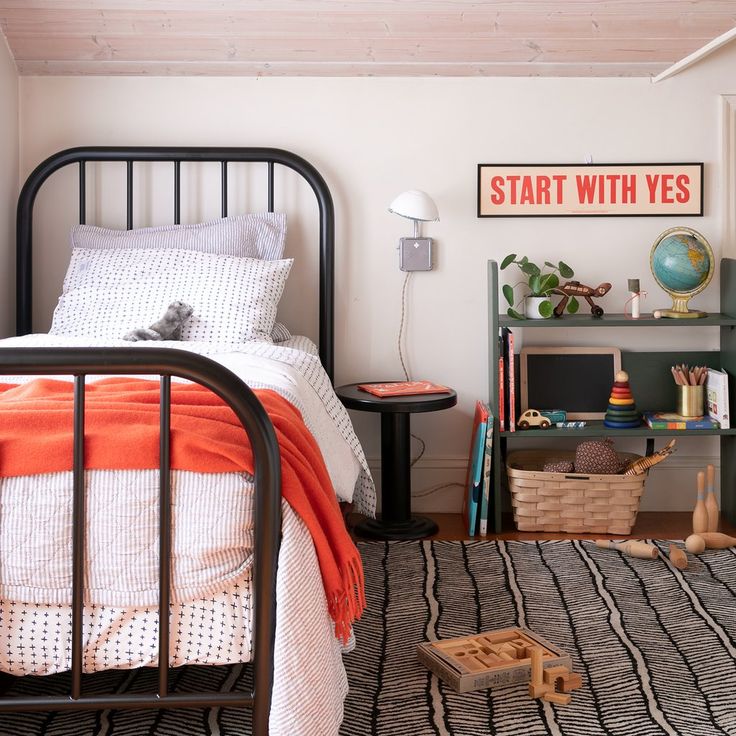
x=477, y=506
x=716, y=396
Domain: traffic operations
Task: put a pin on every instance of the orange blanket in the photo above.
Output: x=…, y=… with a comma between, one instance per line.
x=121, y=432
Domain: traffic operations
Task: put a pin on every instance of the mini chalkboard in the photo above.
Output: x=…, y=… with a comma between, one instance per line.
x=578, y=380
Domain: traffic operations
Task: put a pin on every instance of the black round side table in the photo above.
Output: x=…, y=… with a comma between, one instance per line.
x=396, y=520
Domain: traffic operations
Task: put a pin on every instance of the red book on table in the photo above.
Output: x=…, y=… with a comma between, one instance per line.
x=403, y=388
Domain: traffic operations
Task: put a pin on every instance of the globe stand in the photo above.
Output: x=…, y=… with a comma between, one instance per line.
x=679, y=308
x=673, y=314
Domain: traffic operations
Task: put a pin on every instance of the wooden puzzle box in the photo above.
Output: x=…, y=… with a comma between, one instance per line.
x=488, y=659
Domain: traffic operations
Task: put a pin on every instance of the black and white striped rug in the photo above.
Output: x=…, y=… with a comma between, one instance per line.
x=656, y=647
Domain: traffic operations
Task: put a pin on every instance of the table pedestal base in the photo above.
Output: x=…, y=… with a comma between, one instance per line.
x=395, y=520
x=416, y=527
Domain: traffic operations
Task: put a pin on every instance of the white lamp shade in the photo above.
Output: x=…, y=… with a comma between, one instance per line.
x=416, y=205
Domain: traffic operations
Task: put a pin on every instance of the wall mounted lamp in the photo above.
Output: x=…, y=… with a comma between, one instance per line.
x=415, y=254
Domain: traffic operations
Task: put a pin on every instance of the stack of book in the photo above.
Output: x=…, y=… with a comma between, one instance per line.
x=506, y=381
x=670, y=420
x=478, y=496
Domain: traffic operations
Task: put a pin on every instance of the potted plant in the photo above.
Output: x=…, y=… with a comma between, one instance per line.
x=541, y=285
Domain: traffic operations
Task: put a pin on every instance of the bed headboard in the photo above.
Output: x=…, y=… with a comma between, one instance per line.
x=131, y=155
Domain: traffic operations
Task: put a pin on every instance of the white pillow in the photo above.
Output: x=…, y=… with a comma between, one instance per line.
x=260, y=235
x=255, y=235
x=110, y=292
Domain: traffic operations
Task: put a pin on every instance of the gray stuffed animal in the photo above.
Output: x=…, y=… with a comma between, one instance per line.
x=167, y=328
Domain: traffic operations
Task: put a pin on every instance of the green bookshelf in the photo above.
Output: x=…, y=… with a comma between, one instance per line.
x=646, y=371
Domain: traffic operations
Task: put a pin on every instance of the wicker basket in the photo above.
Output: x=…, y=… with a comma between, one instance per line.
x=571, y=502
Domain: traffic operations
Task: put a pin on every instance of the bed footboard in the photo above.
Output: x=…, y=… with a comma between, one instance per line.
x=166, y=363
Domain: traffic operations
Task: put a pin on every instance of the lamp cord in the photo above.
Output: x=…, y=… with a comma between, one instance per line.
x=401, y=358
x=401, y=325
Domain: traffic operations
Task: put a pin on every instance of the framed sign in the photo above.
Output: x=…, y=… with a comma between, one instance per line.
x=590, y=190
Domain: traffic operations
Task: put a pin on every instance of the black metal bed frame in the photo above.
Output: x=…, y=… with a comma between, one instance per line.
x=166, y=363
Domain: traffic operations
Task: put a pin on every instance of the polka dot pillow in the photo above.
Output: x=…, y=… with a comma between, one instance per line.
x=110, y=292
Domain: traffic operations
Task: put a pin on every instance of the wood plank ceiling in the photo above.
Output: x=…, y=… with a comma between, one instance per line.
x=378, y=38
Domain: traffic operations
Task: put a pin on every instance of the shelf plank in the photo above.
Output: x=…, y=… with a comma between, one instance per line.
x=606, y=432
x=618, y=320
x=597, y=429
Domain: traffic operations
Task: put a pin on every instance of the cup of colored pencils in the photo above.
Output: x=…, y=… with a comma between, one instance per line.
x=690, y=382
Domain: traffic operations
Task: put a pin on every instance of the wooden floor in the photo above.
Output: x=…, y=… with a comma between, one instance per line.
x=658, y=525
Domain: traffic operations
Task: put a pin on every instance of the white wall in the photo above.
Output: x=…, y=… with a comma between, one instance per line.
x=8, y=184
x=373, y=138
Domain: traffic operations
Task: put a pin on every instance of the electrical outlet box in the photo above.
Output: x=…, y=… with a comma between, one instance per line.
x=415, y=254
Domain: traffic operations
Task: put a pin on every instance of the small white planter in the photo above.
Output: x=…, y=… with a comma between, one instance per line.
x=532, y=304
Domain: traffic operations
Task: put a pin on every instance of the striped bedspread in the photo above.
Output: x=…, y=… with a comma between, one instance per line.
x=212, y=537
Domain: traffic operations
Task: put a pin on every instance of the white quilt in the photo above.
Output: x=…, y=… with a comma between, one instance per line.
x=212, y=538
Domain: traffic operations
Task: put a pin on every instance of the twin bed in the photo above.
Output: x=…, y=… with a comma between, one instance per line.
x=154, y=502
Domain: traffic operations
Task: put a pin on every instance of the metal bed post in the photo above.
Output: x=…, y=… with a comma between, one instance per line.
x=78, y=521
x=129, y=197
x=223, y=188
x=177, y=192
x=270, y=186
x=164, y=553
x=82, y=193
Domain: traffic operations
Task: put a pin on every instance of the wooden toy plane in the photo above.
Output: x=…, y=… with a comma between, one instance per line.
x=575, y=288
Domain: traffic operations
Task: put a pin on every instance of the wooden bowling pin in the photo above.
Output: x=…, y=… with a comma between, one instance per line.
x=717, y=540
x=711, y=505
x=632, y=548
x=700, y=515
x=677, y=557
x=695, y=544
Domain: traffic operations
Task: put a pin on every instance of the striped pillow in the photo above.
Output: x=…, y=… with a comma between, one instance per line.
x=280, y=332
x=260, y=235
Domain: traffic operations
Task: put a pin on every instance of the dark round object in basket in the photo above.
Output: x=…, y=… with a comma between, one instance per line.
x=558, y=466
x=596, y=457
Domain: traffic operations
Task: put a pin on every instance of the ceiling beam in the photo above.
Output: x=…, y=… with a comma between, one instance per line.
x=335, y=69
x=696, y=56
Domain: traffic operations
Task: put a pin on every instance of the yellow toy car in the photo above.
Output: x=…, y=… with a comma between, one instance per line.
x=532, y=418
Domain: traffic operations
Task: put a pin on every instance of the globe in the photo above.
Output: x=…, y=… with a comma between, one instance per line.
x=682, y=264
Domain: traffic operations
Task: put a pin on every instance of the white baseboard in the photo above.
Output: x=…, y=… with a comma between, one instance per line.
x=438, y=483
